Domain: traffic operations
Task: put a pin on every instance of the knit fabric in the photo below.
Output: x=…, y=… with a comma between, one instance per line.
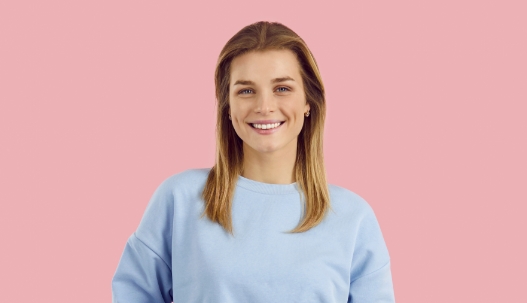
x=176, y=255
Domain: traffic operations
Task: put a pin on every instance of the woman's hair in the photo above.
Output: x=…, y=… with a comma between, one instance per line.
x=309, y=168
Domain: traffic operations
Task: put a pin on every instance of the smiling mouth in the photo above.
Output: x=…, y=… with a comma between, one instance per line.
x=266, y=126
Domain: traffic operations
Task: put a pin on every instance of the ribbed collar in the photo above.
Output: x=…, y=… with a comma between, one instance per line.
x=267, y=188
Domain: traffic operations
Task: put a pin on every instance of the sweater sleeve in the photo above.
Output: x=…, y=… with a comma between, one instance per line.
x=371, y=278
x=144, y=272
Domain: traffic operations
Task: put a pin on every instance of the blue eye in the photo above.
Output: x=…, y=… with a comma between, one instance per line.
x=286, y=88
x=243, y=90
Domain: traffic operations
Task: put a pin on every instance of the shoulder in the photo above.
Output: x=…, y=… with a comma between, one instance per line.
x=187, y=177
x=184, y=185
x=345, y=201
x=347, y=207
x=187, y=182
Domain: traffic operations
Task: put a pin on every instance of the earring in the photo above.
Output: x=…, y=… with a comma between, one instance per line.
x=307, y=114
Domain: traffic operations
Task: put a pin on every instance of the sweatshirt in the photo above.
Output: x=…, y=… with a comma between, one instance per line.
x=177, y=255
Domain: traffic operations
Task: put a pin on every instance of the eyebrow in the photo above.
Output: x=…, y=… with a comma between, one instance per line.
x=275, y=80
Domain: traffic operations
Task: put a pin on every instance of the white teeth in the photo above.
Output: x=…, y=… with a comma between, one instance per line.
x=266, y=126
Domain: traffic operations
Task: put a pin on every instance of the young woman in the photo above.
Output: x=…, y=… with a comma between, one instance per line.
x=262, y=225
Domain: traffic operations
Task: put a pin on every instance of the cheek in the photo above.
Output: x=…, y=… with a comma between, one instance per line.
x=295, y=112
x=239, y=125
x=238, y=109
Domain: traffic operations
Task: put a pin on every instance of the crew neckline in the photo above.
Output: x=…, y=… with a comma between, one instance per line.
x=267, y=188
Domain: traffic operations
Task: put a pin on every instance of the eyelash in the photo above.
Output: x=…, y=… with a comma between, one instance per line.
x=245, y=89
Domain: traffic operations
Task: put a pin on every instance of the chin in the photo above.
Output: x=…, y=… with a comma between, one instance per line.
x=265, y=149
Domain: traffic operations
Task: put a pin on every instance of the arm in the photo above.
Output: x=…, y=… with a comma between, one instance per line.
x=371, y=279
x=144, y=272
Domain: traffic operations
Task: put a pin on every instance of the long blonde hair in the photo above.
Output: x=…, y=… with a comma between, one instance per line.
x=309, y=168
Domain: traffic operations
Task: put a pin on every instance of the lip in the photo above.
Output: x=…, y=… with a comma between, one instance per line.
x=266, y=131
x=265, y=121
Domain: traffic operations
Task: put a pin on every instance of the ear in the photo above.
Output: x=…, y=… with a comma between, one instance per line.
x=307, y=107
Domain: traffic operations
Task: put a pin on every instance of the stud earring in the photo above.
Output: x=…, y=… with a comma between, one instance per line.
x=307, y=114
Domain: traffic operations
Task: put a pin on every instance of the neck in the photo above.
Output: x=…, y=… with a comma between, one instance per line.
x=275, y=168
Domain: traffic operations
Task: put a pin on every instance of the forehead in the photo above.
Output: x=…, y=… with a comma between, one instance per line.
x=265, y=65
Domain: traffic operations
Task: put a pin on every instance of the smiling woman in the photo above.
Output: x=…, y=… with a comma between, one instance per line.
x=261, y=225
x=266, y=115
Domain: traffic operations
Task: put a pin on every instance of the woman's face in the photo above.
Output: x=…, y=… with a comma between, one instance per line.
x=267, y=100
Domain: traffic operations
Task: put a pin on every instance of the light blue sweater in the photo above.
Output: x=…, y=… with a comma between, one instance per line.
x=177, y=255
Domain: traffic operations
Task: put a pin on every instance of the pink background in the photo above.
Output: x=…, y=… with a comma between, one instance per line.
x=427, y=104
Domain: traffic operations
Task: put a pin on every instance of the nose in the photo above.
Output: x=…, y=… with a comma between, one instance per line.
x=265, y=103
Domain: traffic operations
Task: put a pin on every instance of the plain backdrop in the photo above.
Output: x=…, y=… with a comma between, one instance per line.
x=103, y=100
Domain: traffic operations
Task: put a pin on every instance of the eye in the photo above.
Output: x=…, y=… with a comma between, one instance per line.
x=244, y=90
x=283, y=87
